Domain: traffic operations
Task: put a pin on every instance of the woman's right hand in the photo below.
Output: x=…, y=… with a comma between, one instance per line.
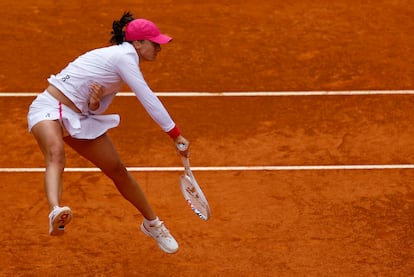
x=182, y=145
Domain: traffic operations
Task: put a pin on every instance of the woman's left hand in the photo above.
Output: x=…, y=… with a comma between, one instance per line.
x=96, y=92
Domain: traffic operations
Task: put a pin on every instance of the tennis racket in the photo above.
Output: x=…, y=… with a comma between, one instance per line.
x=193, y=193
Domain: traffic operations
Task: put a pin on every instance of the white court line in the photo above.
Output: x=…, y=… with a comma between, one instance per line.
x=244, y=93
x=238, y=168
x=231, y=168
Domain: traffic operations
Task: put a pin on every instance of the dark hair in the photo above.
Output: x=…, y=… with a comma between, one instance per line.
x=118, y=26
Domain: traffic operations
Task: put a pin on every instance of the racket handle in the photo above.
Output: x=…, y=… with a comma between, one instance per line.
x=186, y=162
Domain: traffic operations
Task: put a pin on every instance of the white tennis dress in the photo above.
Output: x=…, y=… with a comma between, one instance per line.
x=111, y=67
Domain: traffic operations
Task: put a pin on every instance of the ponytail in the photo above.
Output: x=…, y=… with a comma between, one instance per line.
x=118, y=26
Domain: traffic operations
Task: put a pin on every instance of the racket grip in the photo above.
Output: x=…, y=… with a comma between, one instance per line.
x=186, y=162
x=181, y=146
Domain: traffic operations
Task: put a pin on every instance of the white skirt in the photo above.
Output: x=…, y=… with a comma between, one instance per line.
x=81, y=126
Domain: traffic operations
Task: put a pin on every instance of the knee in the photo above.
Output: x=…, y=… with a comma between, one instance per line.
x=116, y=171
x=55, y=155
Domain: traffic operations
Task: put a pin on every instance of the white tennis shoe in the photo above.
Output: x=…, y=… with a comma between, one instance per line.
x=58, y=218
x=162, y=235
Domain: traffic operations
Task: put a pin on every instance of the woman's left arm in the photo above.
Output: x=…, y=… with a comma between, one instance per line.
x=98, y=102
x=96, y=92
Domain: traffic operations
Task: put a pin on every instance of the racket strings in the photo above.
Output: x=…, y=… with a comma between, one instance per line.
x=193, y=193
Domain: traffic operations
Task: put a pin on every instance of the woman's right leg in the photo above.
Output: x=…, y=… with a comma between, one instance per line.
x=48, y=135
x=102, y=153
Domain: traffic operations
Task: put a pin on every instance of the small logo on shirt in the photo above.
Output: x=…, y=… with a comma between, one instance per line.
x=67, y=77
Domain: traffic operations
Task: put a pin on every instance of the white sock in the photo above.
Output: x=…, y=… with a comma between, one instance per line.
x=151, y=222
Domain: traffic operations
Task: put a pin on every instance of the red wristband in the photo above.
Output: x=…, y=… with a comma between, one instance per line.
x=174, y=132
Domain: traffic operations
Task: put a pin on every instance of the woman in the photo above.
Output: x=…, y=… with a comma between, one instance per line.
x=70, y=111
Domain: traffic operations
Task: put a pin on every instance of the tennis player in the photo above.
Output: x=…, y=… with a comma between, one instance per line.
x=71, y=110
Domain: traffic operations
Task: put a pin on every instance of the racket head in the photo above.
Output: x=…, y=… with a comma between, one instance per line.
x=194, y=196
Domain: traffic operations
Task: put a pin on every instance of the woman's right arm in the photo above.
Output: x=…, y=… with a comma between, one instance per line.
x=131, y=74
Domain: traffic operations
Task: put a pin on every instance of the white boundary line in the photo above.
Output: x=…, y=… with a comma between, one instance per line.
x=244, y=93
x=238, y=168
x=231, y=168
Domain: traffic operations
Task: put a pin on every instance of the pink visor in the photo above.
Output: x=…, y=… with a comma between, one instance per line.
x=142, y=29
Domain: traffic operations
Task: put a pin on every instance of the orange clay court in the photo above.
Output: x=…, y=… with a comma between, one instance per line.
x=292, y=222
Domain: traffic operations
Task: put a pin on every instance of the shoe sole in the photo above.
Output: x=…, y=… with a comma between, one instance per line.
x=147, y=233
x=60, y=221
